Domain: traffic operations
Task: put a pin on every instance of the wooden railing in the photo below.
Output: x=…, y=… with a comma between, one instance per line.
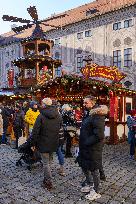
x=28, y=82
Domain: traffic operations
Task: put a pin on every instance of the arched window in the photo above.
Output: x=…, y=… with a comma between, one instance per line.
x=57, y=55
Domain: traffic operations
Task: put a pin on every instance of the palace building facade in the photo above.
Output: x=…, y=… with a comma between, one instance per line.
x=103, y=29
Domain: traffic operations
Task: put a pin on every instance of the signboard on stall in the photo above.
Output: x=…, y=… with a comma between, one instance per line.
x=94, y=70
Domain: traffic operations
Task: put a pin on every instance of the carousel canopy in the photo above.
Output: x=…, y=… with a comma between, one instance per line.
x=31, y=60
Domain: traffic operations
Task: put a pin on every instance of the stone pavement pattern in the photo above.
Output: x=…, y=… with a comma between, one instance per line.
x=20, y=186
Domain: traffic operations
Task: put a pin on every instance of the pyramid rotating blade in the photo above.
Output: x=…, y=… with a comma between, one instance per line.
x=33, y=12
x=14, y=19
x=21, y=28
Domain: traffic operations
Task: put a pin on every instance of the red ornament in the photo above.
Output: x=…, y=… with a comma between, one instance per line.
x=111, y=93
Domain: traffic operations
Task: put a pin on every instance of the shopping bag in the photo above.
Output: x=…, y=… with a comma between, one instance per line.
x=21, y=140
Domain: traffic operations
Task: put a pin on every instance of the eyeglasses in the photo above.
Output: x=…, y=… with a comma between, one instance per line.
x=85, y=102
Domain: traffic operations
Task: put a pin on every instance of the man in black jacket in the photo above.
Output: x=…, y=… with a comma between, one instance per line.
x=91, y=144
x=18, y=123
x=45, y=136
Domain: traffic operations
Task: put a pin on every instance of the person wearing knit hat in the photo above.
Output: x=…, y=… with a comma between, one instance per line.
x=31, y=115
x=45, y=135
x=133, y=113
x=47, y=101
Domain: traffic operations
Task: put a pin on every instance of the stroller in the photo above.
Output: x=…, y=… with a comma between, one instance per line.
x=28, y=156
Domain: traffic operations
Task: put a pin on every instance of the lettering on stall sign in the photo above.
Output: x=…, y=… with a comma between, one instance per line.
x=95, y=70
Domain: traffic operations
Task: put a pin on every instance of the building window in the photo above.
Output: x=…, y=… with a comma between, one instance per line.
x=7, y=65
x=117, y=58
x=57, y=41
x=12, y=52
x=117, y=26
x=79, y=63
x=128, y=57
x=80, y=35
x=57, y=55
x=88, y=33
x=58, y=71
x=128, y=23
x=7, y=53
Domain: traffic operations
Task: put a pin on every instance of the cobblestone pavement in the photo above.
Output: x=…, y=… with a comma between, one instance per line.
x=20, y=186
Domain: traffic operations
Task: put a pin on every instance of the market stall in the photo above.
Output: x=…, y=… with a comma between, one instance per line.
x=73, y=88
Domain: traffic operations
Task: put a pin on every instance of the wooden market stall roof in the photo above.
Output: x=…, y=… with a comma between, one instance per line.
x=85, y=84
x=72, y=86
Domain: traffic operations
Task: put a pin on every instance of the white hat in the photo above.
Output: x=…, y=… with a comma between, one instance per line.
x=66, y=107
x=47, y=101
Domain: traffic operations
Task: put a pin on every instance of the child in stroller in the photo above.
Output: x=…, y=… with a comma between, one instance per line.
x=29, y=155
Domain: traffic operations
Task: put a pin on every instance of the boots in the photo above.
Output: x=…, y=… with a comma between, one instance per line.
x=61, y=171
x=48, y=185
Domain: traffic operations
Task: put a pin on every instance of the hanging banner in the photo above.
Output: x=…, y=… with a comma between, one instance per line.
x=11, y=78
x=95, y=70
x=114, y=107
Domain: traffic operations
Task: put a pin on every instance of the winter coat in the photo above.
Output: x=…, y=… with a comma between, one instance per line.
x=1, y=125
x=6, y=114
x=68, y=121
x=131, y=123
x=31, y=116
x=45, y=134
x=18, y=121
x=91, y=138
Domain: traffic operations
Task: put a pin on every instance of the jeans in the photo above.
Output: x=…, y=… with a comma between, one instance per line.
x=4, y=140
x=92, y=177
x=18, y=133
x=47, y=158
x=132, y=147
x=68, y=143
x=60, y=155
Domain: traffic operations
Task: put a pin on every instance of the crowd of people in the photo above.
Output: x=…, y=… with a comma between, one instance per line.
x=69, y=131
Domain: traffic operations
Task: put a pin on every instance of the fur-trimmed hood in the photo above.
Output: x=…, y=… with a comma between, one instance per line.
x=100, y=110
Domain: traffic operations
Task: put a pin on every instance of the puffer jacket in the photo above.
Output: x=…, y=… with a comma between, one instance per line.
x=91, y=138
x=45, y=134
x=31, y=116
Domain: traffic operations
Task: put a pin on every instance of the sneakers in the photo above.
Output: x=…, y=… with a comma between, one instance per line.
x=3, y=143
x=86, y=189
x=92, y=195
x=61, y=171
x=131, y=157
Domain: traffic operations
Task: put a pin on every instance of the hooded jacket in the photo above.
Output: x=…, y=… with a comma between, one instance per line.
x=91, y=138
x=45, y=134
x=31, y=116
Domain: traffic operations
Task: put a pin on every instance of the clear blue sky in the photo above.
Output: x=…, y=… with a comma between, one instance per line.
x=18, y=8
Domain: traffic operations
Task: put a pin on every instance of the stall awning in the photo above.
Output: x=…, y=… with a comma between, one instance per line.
x=6, y=93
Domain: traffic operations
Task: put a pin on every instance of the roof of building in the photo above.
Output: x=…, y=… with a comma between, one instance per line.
x=95, y=8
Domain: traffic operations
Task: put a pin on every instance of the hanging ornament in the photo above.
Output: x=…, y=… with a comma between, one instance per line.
x=111, y=93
